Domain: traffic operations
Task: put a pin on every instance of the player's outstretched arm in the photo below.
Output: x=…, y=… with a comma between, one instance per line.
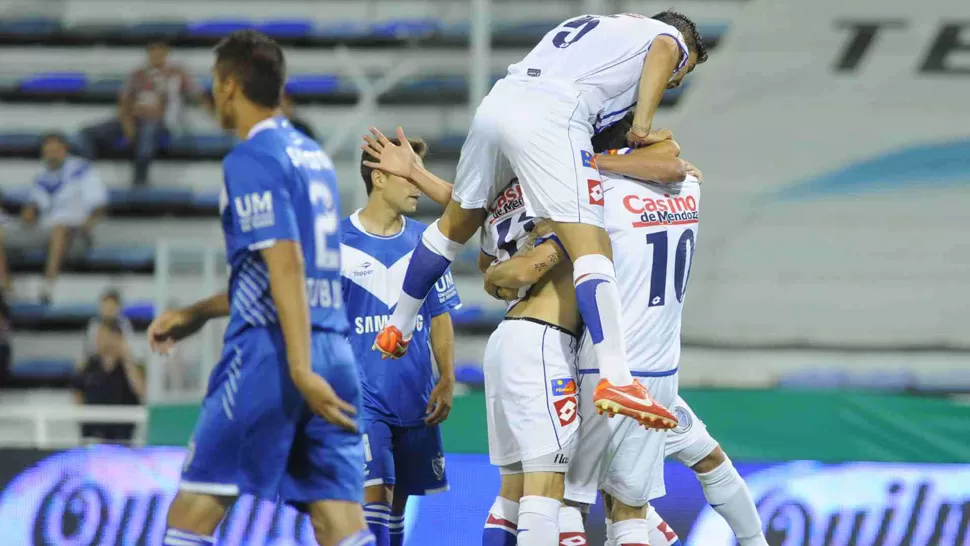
x=176, y=324
x=443, y=349
x=662, y=61
x=287, y=283
x=525, y=269
x=400, y=160
x=659, y=165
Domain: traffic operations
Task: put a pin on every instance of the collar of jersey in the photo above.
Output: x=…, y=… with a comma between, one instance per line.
x=268, y=123
x=355, y=220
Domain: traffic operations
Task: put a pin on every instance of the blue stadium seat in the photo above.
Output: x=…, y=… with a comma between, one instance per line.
x=312, y=84
x=470, y=374
x=29, y=26
x=154, y=29
x=54, y=82
x=218, y=27
x=105, y=86
x=881, y=380
x=202, y=144
x=532, y=30
x=36, y=310
x=140, y=311
x=34, y=368
x=286, y=28
x=405, y=28
x=16, y=196
x=128, y=257
x=341, y=31
x=206, y=200
x=813, y=379
x=151, y=196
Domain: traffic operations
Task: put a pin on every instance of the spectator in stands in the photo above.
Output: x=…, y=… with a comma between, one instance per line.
x=149, y=107
x=66, y=201
x=109, y=310
x=5, y=351
x=286, y=106
x=109, y=377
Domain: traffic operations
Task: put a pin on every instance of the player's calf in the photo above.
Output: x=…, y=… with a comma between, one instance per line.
x=340, y=523
x=193, y=518
x=729, y=496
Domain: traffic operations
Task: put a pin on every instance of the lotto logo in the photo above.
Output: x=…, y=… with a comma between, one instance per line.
x=595, y=192
x=566, y=410
x=589, y=160
x=572, y=539
x=563, y=387
x=668, y=533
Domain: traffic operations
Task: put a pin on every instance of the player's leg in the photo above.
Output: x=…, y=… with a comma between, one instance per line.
x=660, y=533
x=481, y=167
x=398, y=507
x=501, y=525
x=724, y=488
x=572, y=527
x=419, y=464
x=379, y=476
x=193, y=518
x=56, y=249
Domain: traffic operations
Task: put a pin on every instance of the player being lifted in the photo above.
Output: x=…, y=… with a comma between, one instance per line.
x=402, y=406
x=285, y=355
x=654, y=228
x=536, y=124
x=530, y=374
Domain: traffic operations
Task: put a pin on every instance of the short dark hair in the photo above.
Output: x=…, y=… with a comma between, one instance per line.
x=256, y=62
x=686, y=27
x=111, y=294
x=58, y=136
x=614, y=136
x=420, y=148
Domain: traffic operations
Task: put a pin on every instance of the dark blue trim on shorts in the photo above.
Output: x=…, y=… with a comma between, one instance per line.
x=668, y=373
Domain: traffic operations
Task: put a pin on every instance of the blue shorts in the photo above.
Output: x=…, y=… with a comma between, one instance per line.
x=409, y=458
x=255, y=434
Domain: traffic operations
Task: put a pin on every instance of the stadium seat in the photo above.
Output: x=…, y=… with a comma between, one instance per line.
x=405, y=28
x=54, y=82
x=217, y=27
x=286, y=28
x=813, y=379
x=341, y=31
x=470, y=374
x=153, y=30
x=881, y=380
x=312, y=84
x=38, y=368
x=29, y=26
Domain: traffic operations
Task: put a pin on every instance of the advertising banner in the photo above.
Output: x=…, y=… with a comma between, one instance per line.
x=119, y=496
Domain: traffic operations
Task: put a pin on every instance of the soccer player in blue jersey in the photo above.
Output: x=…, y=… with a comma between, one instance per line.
x=276, y=421
x=402, y=404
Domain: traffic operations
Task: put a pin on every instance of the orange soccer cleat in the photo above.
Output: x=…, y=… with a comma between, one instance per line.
x=391, y=343
x=635, y=402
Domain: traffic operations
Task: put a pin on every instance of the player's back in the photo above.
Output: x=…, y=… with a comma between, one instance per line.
x=601, y=56
x=653, y=230
x=279, y=185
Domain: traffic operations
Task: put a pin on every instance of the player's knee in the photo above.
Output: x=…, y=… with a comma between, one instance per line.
x=512, y=487
x=334, y=521
x=544, y=484
x=622, y=512
x=713, y=460
x=196, y=513
x=378, y=493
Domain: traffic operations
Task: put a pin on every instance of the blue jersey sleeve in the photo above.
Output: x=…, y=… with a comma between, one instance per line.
x=262, y=208
x=444, y=296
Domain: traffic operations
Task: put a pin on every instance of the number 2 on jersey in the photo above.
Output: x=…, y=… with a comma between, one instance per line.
x=683, y=258
x=576, y=29
x=325, y=225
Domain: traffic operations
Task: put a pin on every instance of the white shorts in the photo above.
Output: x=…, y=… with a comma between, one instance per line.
x=530, y=395
x=690, y=442
x=617, y=455
x=539, y=132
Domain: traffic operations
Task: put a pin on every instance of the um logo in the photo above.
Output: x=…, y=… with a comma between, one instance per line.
x=255, y=210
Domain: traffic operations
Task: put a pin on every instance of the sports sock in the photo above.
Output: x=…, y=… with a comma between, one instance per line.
x=538, y=521
x=377, y=515
x=361, y=538
x=396, y=523
x=431, y=258
x=599, y=304
x=728, y=495
x=502, y=523
x=660, y=533
x=178, y=537
x=632, y=532
x=571, y=529
x=610, y=533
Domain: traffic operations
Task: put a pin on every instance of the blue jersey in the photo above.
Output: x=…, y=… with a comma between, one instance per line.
x=279, y=185
x=373, y=271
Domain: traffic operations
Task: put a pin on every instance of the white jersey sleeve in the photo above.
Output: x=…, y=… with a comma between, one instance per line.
x=600, y=55
x=653, y=230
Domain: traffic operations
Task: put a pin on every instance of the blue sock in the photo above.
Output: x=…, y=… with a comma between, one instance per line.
x=598, y=300
x=377, y=514
x=501, y=525
x=177, y=537
x=396, y=523
x=429, y=262
x=360, y=538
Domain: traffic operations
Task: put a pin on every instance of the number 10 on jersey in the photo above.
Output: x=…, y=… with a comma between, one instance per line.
x=683, y=258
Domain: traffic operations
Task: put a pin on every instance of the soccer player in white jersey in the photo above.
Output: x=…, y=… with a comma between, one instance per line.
x=536, y=124
x=530, y=375
x=650, y=215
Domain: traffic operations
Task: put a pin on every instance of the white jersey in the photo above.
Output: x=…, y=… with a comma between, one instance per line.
x=68, y=195
x=601, y=56
x=507, y=227
x=653, y=230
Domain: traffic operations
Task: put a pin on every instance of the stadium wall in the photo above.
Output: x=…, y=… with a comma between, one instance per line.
x=751, y=425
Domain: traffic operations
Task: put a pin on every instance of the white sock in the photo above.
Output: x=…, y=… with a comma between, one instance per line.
x=632, y=532
x=727, y=493
x=430, y=260
x=599, y=302
x=503, y=519
x=610, y=533
x=660, y=533
x=538, y=521
x=572, y=532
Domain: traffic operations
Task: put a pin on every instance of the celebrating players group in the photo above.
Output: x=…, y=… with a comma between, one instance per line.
x=326, y=396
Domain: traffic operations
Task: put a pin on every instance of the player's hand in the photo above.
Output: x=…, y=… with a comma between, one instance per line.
x=694, y=171
x=492, y=290
x=508, y=294
x=323, y=401
x=168, y=328
x=638, y=139
x=396, y=159
x=439, y=404
x=544, y=227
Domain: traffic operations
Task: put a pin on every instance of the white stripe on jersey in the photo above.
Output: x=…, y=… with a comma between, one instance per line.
x=251, y=297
